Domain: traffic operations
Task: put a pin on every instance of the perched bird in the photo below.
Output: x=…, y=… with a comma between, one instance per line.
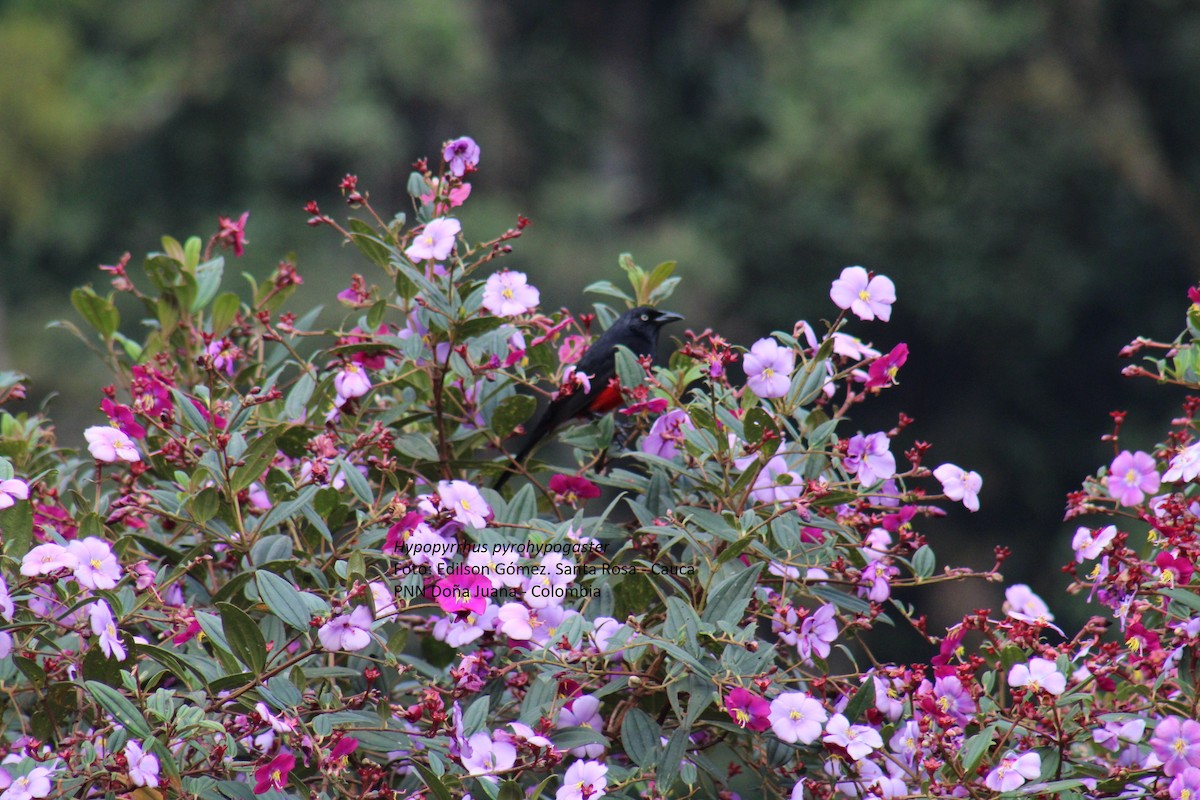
x=636, y=329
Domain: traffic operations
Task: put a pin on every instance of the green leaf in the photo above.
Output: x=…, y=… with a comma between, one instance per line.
x=924, y=561
x=224, y=311
x=976, y=747
x=537, y=699
x=728, y=600
x=208, y=281
x=756, y=423
x=244, y=637
x=190, y=413
x=376, y=314
x=121, y=709
x=416, y=447
x=568, y=738
x=432, y=782
x=255, y=460
x=511, y=790
x=668, y=765
x=629, y=370
x=368, y=242
x=284, y=600
x=17, y=523
x=640, y=735
x=99, y=311
x=608, y=289
x=862, y=700
x=511, y=412
x=296, y=404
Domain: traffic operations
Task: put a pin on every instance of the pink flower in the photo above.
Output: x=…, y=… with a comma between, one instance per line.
x=108, y=444
x=104, y=625
x=224, y=355
x=1039, y=674
x=461, y=155
x=435, y=241
x=11, y=491
x=1013, y=771
x=1021, y=603
x=859, y=741
x=508, y=294
x=666, y=434
x=142, y=766
x=46, y=559
x=96, y=566
x=776, y=483
x=959, y=484
x=348, y=631
x=274, y=775
x=1185, y=466
x=869, y=458
x=769, y=368
x=352, y=381
x=583, y=780
x=1089, y=544
x=465, y=502
x=865, y=296
x=1176, y=742
x=748, y=710
x=797, y=717
x=1131, y=477
x=233, y=234
x=883, y=371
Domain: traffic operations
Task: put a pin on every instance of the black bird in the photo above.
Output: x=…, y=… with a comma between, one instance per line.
x=636, y=329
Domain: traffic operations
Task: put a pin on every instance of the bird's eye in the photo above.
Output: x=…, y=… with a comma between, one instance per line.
x=645, y=317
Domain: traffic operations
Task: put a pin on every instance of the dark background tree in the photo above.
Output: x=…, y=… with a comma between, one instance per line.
x=1026, y=173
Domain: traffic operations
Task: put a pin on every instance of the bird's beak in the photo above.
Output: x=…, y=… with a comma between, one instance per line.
x=668, y=316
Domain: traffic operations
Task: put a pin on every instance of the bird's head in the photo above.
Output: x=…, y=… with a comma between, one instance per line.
x=648, y=319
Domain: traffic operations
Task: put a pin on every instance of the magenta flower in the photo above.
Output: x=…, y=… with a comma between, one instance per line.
x=1131, y=477
x=959, y=484
x=143, y=766
x=508, y=294
x=866, y=297
x=883, y=371
x=96, y=566
x=869, y=458
x=341, y=751
x=1185, y=466
x=233, y=234
x=1176, y=742
x=461, y=155
x=776, y=483
x=11, y=491
x=463, y=593
x=465, y=502
x=274, y=774
x=122, y=417
x=47, y=558
x=769, y=368
x=108, y=444
x=435, y=241
x=1089, y=544
x=666, y=434
x=1039, y=674
x=223, y=354
x=104, y=625
x=347, y=631
x=797, y=717
x=859, y=741
x=1013, y=771
x=583, y=780
x=352, y=381
x=748, y=710
x=571, y=489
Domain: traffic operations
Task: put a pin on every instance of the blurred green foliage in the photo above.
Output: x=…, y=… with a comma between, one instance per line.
x=1023, y=170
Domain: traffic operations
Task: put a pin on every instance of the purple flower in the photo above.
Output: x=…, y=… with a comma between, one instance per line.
x=859, y=741
x=959, y=484
x=817, y=632
x=108, y=444
x=143, y=766
x=1113, y=733
x=1185, y=466
x=1021, y=603
x=435, y=241
x=667, y=433
x=508, y=294
x=865, y=296
x=776, y=483
x=584, y=712
x=6, y=603
x=224, y=355
x=953, y=699
x=465, y=502
x=96, y=566
x=583, y=780
x=769, y=368
x=1013, y=771
x=1089, y=544
x=1176, y=742
x=104, y=625
x=797, y=717
x=12, y=490
x=1038, y=674
x=1131, y=477
x=351, y=382
x=348, y=631
x=460, y=155
x=488, y=756
x=47, y=558
x=1186, y=785
x=26, y=787
x=869, y=458
x=875, y=581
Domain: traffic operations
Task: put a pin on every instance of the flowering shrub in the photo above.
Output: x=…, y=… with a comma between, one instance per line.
x=279, y=567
